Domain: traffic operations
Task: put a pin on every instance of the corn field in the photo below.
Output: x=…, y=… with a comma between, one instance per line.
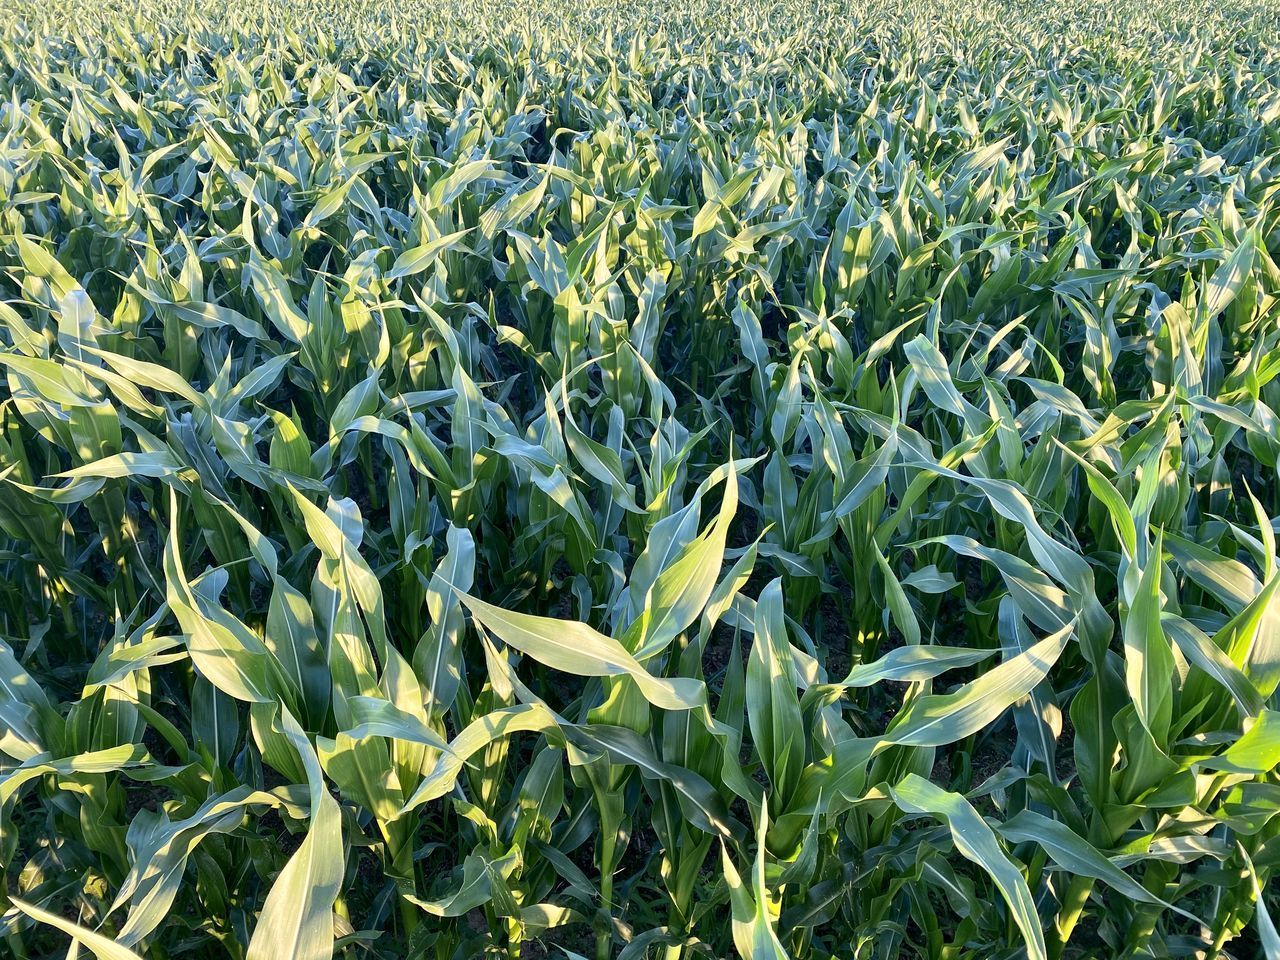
x=587, y=480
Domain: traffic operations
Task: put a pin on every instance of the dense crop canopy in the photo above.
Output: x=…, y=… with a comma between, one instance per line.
x=639, y=480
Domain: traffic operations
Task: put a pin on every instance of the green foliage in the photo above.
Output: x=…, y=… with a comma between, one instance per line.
x=639, y=480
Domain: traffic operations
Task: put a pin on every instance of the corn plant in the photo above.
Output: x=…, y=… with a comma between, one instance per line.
x=770, y=480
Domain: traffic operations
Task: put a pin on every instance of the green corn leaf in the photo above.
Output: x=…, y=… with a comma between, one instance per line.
x=1077, y=856
x=104, y=948
x=576, y=648
x=297, y=916
x=976, y=841
x=1257, y=751
x=939, y=719
x=753, y=932
x=773, y=705
x=1148, y=658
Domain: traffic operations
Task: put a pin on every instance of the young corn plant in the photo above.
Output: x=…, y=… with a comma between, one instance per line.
x=769, y=480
